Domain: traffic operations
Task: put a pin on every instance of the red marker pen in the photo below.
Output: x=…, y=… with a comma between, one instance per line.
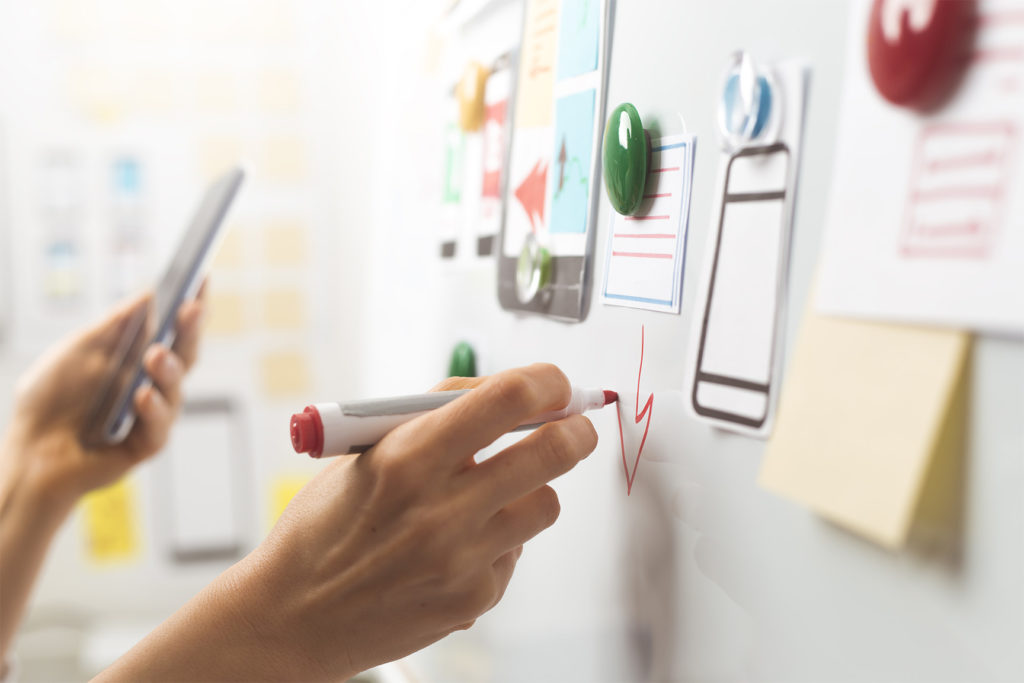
x=325, y=429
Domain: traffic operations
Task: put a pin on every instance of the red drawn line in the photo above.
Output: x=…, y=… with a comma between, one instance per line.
x=1003, y=54
x=915, y=251
x=948, y=229
x=637, y=254
x=639, y=415
x=1006, y=128
x=648, y=236
x=657, y=196
x=966, y=192
x=967, y=160
x=664, y=170
x=647, y=218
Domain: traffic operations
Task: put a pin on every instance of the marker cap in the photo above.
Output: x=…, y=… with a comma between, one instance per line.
x=307, y=432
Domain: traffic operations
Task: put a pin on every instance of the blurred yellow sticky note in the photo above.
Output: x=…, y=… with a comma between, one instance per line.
x=225, y=313
x=284, y=309
x=110, y=523
x=285, y=244
x=279, y=91
x=282, y=491
x=283, y=159
x=231, y=252
x=217, y=154
x=863, y=412
x=285, y=374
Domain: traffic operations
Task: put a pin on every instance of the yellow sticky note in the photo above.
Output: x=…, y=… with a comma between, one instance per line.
x=283, y=159
x=279, y=91
x=231, y=252
x=282, y=490
x=284, y=309
x=285, y=374
x=110, y=516
x=75, y=19
x=225, y=313
x=217, y=154
x=535, y=101
x=285, y=244
x=216, y=92
x=864, y=409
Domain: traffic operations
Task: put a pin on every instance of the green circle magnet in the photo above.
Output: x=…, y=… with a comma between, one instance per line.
x=626, y=159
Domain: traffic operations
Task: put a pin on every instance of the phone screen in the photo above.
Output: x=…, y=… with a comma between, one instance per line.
x=154, y=322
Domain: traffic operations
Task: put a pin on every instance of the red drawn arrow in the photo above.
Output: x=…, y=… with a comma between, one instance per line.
x=531, y=194
x=562, y=156
x=639, y=415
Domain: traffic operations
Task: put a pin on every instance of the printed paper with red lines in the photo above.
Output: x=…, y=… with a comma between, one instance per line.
x=926, y=218
x=646, y=254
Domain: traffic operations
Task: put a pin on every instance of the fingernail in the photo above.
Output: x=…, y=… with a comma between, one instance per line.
x=169, y=365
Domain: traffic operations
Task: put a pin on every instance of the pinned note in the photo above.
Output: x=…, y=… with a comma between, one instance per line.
x=284, y=309
x=285, y=244
x=283, y=159
x=226, y=313
x=574, y=147
x=578, y=37
x=231, y=252
x=646, y=253
x=285, y=374
x=942, y=240
x=110, y=515
x=864, y=409
x=537, y=60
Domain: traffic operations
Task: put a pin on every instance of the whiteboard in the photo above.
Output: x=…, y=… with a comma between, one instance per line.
x=699, y=574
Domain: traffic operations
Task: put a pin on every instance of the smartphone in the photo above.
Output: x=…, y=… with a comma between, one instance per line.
x=113, y=414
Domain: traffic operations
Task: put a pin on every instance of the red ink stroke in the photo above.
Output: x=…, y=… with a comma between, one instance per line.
x=638, y=415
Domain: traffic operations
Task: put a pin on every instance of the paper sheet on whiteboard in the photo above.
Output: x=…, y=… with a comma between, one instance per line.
x=864, y=410
x=926, y=220
x=646, y=253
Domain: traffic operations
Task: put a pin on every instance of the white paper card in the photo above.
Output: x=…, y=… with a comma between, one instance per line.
x=646, y=254
x=733, y=372
x=926, y=218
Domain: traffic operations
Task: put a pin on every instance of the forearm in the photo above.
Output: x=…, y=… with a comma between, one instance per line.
x=28, y=523
x=222, y=634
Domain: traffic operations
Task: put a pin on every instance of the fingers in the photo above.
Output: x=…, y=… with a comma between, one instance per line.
x=189, y=327
x=458, y=383
x=521, y=520
x=167, y=371
x=498, y=405
x=154, y=419
x=549, y=452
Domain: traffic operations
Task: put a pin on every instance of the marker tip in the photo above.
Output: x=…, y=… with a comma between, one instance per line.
x=610, y=397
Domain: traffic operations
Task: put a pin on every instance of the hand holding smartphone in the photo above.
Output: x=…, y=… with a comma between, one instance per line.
x=113, y=414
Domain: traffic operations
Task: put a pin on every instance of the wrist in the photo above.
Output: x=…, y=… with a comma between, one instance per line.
x=29, y=477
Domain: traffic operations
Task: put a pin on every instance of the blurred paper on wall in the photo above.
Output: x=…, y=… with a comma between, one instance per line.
x=231, y=252
x=285, y=244
x=225, y=313
x=110, y=517
x=217, y=153
x=282, y=489
x=283, y=160
x=279, y=91
x=285, y=374
x=283, y=309
x=865, y=407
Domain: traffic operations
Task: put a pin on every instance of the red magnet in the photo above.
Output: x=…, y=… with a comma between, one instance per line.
x=918, y=49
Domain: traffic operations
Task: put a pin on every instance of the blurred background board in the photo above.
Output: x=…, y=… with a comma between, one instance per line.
x=698, y=574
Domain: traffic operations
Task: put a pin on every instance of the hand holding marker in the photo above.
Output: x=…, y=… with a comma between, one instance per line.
x=325, y=429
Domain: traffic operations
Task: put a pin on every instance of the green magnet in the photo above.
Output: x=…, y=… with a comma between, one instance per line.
x=463, y=361
x=626, y=159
